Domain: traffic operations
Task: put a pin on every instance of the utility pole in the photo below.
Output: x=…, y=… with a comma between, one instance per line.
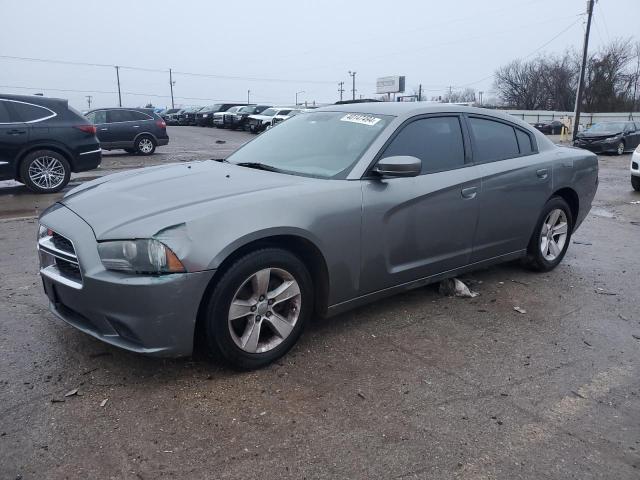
x=340, y=89
x=248, y=96
x=89, y=97
x=118, y=79
x=171, y=83
x=353, y=88
x=480, y=95
x=420, y=93
x=585, y=48
x=297, y=93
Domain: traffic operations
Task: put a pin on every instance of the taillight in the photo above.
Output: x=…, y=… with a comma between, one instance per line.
x=91, y=129
x=161, y=123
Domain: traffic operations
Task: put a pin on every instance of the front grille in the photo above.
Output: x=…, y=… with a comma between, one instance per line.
x=62, y=243
x=58, y=260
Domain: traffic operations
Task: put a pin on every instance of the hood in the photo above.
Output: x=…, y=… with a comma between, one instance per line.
x=261, y=117
x=158, y=197
x=605, y=134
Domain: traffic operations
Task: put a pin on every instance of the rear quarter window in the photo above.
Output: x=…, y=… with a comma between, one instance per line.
x=140, y=116
x=524, y=142
x=5, y=117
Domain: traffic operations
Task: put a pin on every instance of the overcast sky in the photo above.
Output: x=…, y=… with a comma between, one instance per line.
x=280, y=47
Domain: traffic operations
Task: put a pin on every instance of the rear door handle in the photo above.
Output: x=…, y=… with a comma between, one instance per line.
x=15, y=131
x=542, y=173
x=136, y=126
x=104, y=129
x=469, y=192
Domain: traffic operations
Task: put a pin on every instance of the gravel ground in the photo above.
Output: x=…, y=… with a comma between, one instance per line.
x=416, y=386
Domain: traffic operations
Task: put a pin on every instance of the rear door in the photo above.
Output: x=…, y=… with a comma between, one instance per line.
x=516, y=183
x=13, y=136
x=99, y=119
x=417, y=227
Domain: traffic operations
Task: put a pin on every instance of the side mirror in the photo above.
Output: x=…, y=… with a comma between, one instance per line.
x=398, y=166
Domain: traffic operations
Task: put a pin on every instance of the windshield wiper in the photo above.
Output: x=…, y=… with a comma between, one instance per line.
x=259, y=166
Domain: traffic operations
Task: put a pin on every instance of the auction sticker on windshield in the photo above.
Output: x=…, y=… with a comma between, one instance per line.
x=359, y=118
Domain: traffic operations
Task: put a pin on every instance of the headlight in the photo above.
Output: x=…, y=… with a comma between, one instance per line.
x=139, y=256
x=613, y=139
x=44, y=232
x=205, y=115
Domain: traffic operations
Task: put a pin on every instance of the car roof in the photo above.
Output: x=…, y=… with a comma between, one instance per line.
x=37, y=99
x=135, y=109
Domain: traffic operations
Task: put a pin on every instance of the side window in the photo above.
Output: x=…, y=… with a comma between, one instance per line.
x=493, y=140
x=139, y=116
x=524, y=142
x=27, y=112
x=284, y=112
x=118, y=116
x=4, y=113
x=437, y=141
x=97, y=117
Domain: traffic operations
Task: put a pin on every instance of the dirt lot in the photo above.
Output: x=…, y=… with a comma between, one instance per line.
x=417, y=386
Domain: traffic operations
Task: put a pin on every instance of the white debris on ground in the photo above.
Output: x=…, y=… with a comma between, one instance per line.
x=453, y=287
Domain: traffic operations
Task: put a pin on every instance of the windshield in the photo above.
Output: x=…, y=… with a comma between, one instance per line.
x=319, y=144
x=270, y=112
x=607, y=127
x=233, y=109
x=247, y=110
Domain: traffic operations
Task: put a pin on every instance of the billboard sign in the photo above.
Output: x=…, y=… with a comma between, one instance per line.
x=393, y=84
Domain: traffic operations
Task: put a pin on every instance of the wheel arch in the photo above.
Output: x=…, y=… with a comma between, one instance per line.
x=302, y=247
x=146, y=134
x=570, y=196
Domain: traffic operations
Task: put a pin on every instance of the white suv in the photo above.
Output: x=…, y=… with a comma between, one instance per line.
x=635, y=169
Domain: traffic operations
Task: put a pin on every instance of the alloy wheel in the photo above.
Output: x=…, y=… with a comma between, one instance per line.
x=264, y=310
x=620, y=149
x=145, y=145
x=47, y=172
x=553, y=235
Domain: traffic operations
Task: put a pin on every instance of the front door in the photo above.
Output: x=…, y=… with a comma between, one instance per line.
x=417, y=227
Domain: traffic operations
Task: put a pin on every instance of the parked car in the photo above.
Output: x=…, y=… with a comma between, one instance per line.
x=222, y=119
x=552, y=127
x=43, y=140
x=259, y=123
x=282, y=117
x=635, y=169
x=188, y=116
x=240, y=119
x=206, y=115
x=169, y=111
x=616, y=137
x=379, y=198
x=173, y=118
x=134, y=130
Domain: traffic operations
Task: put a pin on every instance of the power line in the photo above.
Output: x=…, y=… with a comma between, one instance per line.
x=156, y=70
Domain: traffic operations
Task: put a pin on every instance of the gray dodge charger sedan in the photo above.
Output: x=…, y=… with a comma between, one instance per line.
x=327, y=211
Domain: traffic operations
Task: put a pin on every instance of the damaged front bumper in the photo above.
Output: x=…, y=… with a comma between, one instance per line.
x=151, y=314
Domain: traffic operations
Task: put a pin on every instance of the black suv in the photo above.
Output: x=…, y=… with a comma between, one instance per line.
x=134, y=130
x=43, y=140
x=204, y=117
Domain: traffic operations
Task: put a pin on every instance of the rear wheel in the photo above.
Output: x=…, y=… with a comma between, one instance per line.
x=145, y=145
x=635, y=183
x=259, y=308
x=45, y=171
x=551, y=237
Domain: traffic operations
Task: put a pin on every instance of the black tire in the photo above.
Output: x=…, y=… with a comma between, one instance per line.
x=130, y=150
x=535, y=260
x=217, y=331
x=30, y=159
x=620, y=148
x=145, y=145
x=635, y=183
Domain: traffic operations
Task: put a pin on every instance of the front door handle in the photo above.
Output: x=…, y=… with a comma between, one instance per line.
x=136, y=126
x=15, y=131
x=542, y=173
x=104, y=129
x=469, y=192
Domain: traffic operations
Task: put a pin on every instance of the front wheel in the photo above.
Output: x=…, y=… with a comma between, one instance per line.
x=45, y=171
x=551, y=237
x=258, y=309
x=145, y=145
x=620, y=148
x=635, y=183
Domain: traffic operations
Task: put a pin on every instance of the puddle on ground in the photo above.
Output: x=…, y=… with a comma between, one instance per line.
x=601, y=212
